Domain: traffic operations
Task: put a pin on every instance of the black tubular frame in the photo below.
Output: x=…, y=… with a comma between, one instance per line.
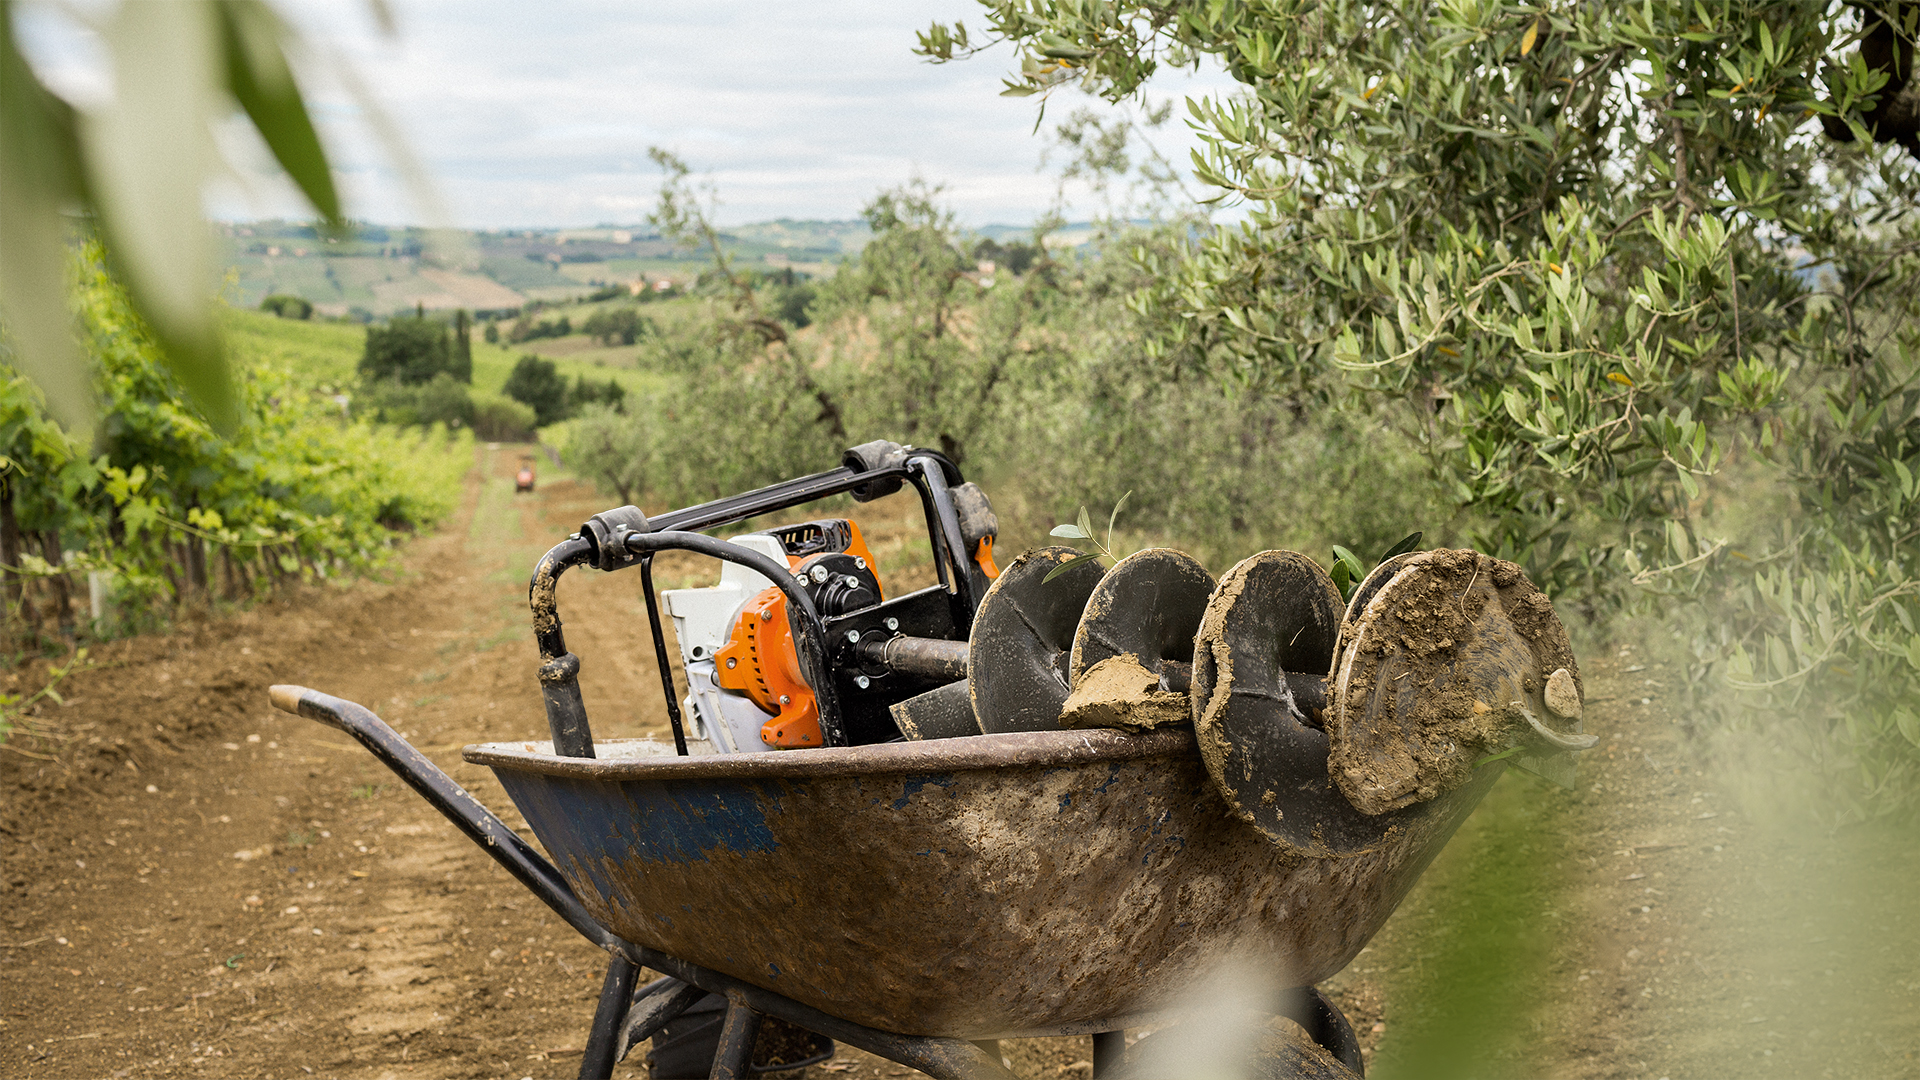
x=660, y=656
x=932, y=474
x=616, y=996
x=733, y=1058
x=809, y=630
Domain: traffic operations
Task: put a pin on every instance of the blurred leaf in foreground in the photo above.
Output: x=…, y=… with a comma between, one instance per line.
x=135, y=166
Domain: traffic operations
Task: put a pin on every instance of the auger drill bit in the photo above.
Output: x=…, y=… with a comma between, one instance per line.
x=1444, y=661
x=1134, y=647
x=1022, y=639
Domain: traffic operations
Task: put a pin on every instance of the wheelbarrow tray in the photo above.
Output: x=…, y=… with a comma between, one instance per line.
x=1040, y=883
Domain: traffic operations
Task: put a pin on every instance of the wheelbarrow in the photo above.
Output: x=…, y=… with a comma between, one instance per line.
x=918, y=897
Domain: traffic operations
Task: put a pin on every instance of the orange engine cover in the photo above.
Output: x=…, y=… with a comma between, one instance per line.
x=760, y=660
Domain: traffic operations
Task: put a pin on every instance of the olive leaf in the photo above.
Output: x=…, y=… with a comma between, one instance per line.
x=1081, y=528
x=1068, y=565
x=1350, y=562
x=40, y=178
x=1115, y=516
x=149, y=150
x=1342, y=580
x=1410, y=542
x=261, y=80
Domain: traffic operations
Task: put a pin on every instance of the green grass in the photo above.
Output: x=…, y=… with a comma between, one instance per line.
x=323, y=352
x=495, y=520
x=493, y=363
x=677, y=269
x=520, y=273
x=256, y=276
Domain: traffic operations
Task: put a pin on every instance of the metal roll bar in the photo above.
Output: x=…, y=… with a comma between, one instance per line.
x=625, y=537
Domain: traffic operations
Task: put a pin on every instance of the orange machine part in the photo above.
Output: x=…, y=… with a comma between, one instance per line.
x=760, y=661
x=983, y=557
x=858, y=546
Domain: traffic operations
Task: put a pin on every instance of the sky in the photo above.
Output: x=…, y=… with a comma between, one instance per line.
x=540, y=115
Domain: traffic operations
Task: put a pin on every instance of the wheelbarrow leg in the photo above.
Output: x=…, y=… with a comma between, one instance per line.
x=734, y=1059
x=1109, y=1050
x=615, y=995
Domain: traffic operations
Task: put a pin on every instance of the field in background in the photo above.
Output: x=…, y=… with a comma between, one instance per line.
x=380, y=271
x=328, y=351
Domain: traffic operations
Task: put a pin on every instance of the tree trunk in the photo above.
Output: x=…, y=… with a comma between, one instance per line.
x=166, y=567
x=59, y=587
x=10, y=551
x=197, y=564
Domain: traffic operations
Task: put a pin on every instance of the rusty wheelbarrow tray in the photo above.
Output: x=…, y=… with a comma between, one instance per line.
x=1038, y=883
x=907, y=898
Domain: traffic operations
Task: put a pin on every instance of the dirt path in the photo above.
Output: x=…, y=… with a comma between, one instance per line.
x=203, y=885
x=197, y=885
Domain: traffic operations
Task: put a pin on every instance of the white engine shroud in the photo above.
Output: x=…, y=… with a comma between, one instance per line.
x=719, y=721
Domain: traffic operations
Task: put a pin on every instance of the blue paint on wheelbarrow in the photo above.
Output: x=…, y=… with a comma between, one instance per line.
x=671, y=823
x=913, y=785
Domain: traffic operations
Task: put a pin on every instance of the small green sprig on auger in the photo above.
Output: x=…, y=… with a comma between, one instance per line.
x=1083, y=530
x=1348, y=572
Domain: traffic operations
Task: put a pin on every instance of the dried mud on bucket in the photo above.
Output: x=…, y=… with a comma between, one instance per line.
x=1430, y=674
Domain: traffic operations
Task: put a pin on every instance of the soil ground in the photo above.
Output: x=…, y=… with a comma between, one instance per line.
x=197, y=885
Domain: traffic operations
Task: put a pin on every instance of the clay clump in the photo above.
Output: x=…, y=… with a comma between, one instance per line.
x=1563, y=699
x=1119, y=692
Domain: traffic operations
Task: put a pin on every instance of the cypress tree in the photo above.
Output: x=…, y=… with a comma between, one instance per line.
x=460, y=366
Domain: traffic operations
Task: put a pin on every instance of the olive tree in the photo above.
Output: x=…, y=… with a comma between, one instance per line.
x=941, y=339
x=1614, y=264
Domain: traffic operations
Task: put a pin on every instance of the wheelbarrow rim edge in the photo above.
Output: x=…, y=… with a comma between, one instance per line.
x=974, y=752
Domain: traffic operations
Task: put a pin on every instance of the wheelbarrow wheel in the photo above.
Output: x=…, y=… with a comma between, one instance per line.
x=685, y=1049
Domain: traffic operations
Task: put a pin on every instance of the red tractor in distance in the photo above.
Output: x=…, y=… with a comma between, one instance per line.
x=523, y=480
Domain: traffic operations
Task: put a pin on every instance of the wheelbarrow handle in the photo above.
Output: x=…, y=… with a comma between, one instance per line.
x=455, y=802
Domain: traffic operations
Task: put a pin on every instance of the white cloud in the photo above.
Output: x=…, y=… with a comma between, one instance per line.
x=541, y=114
